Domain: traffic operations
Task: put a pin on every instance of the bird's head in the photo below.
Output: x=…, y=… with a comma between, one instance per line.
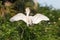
x=27, y=10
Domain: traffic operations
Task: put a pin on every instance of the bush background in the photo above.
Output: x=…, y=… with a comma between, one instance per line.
x=19, y=31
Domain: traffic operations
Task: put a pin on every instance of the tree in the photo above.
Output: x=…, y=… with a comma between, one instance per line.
x=19, y=30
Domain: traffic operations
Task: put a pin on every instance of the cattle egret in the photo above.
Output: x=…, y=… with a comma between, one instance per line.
x=29, y=20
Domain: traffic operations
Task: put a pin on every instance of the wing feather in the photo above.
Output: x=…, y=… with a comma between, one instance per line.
x=19, y=16
x=38, y=18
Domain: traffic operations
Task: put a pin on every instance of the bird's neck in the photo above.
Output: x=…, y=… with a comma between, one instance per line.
x=27, y=14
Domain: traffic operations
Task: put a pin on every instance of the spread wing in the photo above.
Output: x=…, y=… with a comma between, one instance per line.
x=19, y=16
x=38, y=18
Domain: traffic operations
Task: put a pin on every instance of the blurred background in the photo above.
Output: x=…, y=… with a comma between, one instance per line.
x=19, y=31
x=54, y=3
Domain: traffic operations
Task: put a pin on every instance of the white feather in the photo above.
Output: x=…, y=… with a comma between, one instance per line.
x=29, y=20
x=38, y=18
x=19, y=16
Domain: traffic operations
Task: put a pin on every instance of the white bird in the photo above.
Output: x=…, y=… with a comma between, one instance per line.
x=29, y=20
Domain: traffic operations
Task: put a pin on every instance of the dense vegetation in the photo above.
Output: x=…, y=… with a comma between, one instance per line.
x=19, y=31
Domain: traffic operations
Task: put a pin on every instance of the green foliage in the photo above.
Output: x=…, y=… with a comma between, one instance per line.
x=19, y=30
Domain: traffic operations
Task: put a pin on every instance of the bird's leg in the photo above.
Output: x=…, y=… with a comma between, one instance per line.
x=28, y=25
x=32, y=25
